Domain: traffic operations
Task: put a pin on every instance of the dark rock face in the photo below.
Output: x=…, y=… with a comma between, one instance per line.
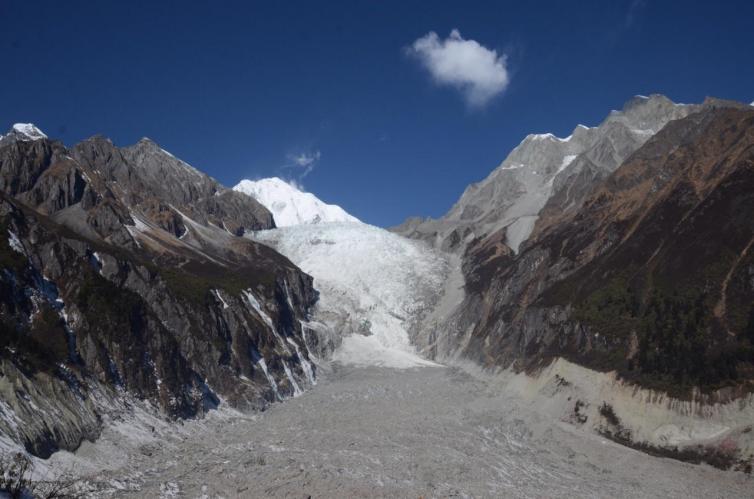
x=652, y=276
x=144, y=174
x=122, y=274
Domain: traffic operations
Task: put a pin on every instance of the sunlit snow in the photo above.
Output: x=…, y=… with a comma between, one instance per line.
x=371, y=282
x=28, y=131
x=291, y=206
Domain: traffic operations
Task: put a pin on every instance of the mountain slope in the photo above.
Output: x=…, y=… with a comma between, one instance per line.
x=123, y=278
x=289, y=205
x=542, y=165
x=648, y=278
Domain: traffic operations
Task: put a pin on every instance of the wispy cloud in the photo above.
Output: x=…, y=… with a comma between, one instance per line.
x=477, y=72
x=301, y=164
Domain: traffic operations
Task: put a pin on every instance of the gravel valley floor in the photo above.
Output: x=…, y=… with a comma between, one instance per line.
x=381, y=432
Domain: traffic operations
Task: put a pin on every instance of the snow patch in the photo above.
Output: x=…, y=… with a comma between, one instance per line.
x=137, y=228
x=305, y=364
x=519, y=231
x=567, y=160
x=97, y=262
x=216, y=292
x=27, y=131
x=265, y=317
x=514, y=166
x=296, y=390
x=263, y=364
x=548, y=136
x=15, y=243
x=258, y=308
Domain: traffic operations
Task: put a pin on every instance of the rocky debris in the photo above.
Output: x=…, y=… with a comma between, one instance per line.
x=377, y=432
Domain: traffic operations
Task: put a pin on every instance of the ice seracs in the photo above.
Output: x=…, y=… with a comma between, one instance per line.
x=373, y=285
x=291, y=206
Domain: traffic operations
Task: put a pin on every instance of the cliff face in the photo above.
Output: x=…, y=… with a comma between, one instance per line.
x=651, y=276
x=545, y=174
x=123, y=276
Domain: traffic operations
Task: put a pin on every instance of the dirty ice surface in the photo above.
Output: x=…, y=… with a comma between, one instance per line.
x=380, y=432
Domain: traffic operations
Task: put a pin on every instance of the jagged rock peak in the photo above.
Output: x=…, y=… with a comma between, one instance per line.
x=513, y=194
x=99, y=138
x=716, y=102
x=147, y=144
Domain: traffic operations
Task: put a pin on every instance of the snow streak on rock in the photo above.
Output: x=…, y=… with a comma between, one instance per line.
x=305, y=364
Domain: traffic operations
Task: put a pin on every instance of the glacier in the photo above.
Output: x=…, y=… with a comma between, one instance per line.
x=373, y=286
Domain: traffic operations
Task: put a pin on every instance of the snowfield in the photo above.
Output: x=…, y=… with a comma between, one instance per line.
x=373, y=286
x=291, y=206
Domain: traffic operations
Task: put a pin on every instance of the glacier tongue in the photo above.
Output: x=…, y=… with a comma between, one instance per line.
x=373, y=285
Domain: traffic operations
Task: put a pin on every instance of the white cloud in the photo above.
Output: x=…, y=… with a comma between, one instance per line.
x=476, y=71
x=304, y=163
x=304, y=159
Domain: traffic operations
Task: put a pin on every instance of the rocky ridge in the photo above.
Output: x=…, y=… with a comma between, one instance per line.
x=123, y=278
x=545, y=172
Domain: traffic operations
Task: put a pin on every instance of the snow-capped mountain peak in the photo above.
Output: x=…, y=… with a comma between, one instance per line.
x=27, y=131
x=291, y=206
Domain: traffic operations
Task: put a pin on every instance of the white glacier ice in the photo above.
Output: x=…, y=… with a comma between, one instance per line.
x=289, y=205
x=372, y=284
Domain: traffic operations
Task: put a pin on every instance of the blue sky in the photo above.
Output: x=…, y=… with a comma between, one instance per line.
x=357, y=100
